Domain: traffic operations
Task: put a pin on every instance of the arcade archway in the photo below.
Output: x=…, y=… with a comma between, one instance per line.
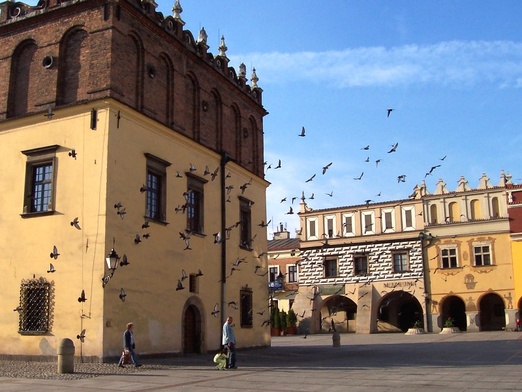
x=492, y=313
x=454, y=307
x=400, y=309
x=341, y=311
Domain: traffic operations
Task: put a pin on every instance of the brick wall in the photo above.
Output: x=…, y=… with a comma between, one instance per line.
x=121, y=50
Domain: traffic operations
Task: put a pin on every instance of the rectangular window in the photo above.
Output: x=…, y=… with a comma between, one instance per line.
x=400, y=262
x=245, y=307
x=311, y=228
x=193, y=283
x=408, y=214
x=348, y=226
x=330, y=268
x=272, y=273
x=368, y=223
x=449, y=258
x=329, y=226
x=194, y=206
x=292, y=273
x=482, y=255
x=388, y=220
x=360, y=265
x=245, y=219
x=34, y=309
x=156, y=188
x=39, y=180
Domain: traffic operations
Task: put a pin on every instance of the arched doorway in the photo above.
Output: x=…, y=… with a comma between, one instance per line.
x=341, y=311
x=192, y=338
x=453, y=307
x=492, y=313
x=400, y=310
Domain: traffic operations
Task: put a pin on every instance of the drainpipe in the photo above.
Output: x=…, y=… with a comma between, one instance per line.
x=224, y=160
x=426, y=237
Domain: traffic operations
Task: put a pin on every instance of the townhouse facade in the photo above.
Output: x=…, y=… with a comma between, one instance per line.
x=134, y=159
x=420, y=261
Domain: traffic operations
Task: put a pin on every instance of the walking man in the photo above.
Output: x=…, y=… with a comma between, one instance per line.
x=229, y=340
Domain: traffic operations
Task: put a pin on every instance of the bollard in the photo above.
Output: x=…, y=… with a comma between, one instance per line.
x=66, y=356
x=336, y=339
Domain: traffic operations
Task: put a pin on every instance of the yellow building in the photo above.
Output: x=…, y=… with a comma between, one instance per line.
x=515, y=226
x=469, y=256
x=158, y=165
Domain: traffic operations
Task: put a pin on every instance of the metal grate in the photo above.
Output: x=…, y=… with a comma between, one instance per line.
x=35, y=306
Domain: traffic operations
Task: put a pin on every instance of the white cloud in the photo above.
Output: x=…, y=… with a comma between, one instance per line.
x=453, y=63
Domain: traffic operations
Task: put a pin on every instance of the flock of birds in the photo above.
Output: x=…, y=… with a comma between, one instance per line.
x=393, y=149
x=184, y=234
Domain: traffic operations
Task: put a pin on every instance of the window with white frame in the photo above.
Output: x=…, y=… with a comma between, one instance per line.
x=329, y=226
x=311, y=229
x=408, y=218
x=401, y=262
x=448, y=257
x=348, y=225
x=368, y=222
x=388, y=220
x=482, y=254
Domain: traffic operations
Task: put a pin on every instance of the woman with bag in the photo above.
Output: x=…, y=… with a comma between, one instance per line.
x=128, y=348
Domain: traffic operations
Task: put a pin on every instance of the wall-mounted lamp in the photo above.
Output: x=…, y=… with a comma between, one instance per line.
x=112, y=260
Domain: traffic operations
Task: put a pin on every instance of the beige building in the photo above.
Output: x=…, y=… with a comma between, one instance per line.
x=469, y=256
x=140, y=146
x=361, y=267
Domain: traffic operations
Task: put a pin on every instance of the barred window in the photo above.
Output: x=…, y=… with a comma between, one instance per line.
x=35, y=307
x=245, y=307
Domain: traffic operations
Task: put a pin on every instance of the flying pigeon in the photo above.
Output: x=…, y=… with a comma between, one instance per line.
x=54, y=253
x=76, y=223
x=179, y=286
x=388, y=112
x=325, y=168
x=81, y=336
x=82, y=298
x=124, y=261
x=302, y=134
x=51, y=268
x=137, y=239
x=215, y=311
x=394, y=148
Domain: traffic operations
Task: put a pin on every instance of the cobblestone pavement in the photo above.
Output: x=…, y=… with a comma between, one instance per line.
x=485, y=361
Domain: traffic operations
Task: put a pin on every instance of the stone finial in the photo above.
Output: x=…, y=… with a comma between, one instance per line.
x=176, y=12
x=505, y=179
x=254, y=79
x=484, y=182
x=242, y=71
x=463, y=185
x=440, y=188
x=223, y=47
x=203, y=36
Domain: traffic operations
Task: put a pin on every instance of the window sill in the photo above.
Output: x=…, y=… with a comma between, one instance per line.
x=25, y=215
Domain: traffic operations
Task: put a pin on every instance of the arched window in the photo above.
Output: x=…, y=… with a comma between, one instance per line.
x=474, y=209
x=23, y=65
x=433, y=214
x=495, y=208
x=453, y=212
x=72, y=72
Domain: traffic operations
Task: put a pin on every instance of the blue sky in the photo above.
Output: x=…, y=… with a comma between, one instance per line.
x=451, y=70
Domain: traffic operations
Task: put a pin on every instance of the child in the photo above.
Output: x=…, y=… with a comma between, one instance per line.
x=220, y=359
